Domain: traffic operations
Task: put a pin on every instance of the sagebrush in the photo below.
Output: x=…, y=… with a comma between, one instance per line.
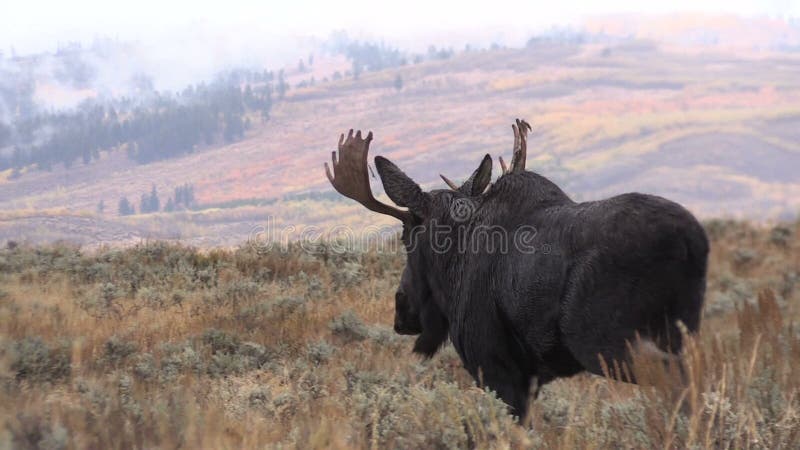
x=161, y=345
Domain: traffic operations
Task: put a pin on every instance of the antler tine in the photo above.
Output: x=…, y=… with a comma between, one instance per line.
x=520, y=150
x=350, y=175
x=447, y=181
x=515, y=148
x=503, y=164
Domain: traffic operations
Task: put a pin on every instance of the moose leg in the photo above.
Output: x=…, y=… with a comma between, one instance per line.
x=493, y=365
x=541, y=380
x=599, y=320
x=510, y=384
x=601, y=349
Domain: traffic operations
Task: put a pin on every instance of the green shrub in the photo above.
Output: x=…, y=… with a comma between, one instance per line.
x=118, y=349
x=178, y=297
x=177, y=358
x=319, y=352
x=733, y=292
x=780, y=236
x=33, y=431
x=260, y=398
x=286, y=305
x=247, y=356
x=311, y=384
x=384, y=335
x=240, y=291
x=314, y=287
x=744, y=256
x=151, y=297
x=144, y=366
x=284, y=405
x=102, y=301
x=788, y=282
x=229, y=355
x=718, y=228
x=220, y=341
x=347, y=274
x=34, y=360
x=349, y=327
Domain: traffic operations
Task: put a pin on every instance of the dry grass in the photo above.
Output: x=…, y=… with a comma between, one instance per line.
x=162, y=346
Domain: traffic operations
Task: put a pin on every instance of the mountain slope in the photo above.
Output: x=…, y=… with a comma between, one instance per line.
x=715, y=131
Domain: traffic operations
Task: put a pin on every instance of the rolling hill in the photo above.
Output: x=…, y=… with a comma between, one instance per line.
x=717, y=130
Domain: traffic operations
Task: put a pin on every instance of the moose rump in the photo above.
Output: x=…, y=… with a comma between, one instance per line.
x=597, y=277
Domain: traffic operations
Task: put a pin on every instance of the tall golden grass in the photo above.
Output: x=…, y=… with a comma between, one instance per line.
x=164, y=346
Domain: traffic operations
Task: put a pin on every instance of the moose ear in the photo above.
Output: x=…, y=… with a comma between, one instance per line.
x=481, y=177
x=400, y=188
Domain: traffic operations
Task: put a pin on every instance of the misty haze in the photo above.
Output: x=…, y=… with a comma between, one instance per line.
x=172, y=266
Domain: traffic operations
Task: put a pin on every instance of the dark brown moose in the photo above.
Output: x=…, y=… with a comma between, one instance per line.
x=527, y=283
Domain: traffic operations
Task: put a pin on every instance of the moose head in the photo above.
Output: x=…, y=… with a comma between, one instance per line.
x=419, y=304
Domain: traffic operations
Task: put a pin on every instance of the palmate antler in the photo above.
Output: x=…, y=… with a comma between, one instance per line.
x=521, y=129
x=351, y=178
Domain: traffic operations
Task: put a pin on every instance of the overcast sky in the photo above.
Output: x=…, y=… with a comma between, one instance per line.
x=35, y=25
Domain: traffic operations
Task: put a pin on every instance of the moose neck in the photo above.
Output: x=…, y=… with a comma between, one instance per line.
x=515, y=200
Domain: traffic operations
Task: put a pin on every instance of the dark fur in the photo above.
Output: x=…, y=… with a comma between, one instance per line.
x=602, y=273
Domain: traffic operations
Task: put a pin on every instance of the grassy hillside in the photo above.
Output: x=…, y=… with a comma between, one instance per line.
x=714, y=130
x=166, y=346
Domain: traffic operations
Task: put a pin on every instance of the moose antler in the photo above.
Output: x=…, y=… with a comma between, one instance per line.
x=449, y=182
x=477, y=183
x=350, y=177
x=519, y=156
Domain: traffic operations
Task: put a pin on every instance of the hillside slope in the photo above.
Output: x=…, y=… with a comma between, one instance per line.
x=714, y=131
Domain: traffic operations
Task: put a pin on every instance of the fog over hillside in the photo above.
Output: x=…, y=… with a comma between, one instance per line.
x=70, y=65
x=102, y=136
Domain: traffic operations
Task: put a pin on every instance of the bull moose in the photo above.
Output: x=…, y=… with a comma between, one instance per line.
x=527, y=283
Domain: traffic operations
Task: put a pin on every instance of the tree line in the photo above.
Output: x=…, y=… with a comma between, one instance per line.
x=163, y=126
x=149, y=202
